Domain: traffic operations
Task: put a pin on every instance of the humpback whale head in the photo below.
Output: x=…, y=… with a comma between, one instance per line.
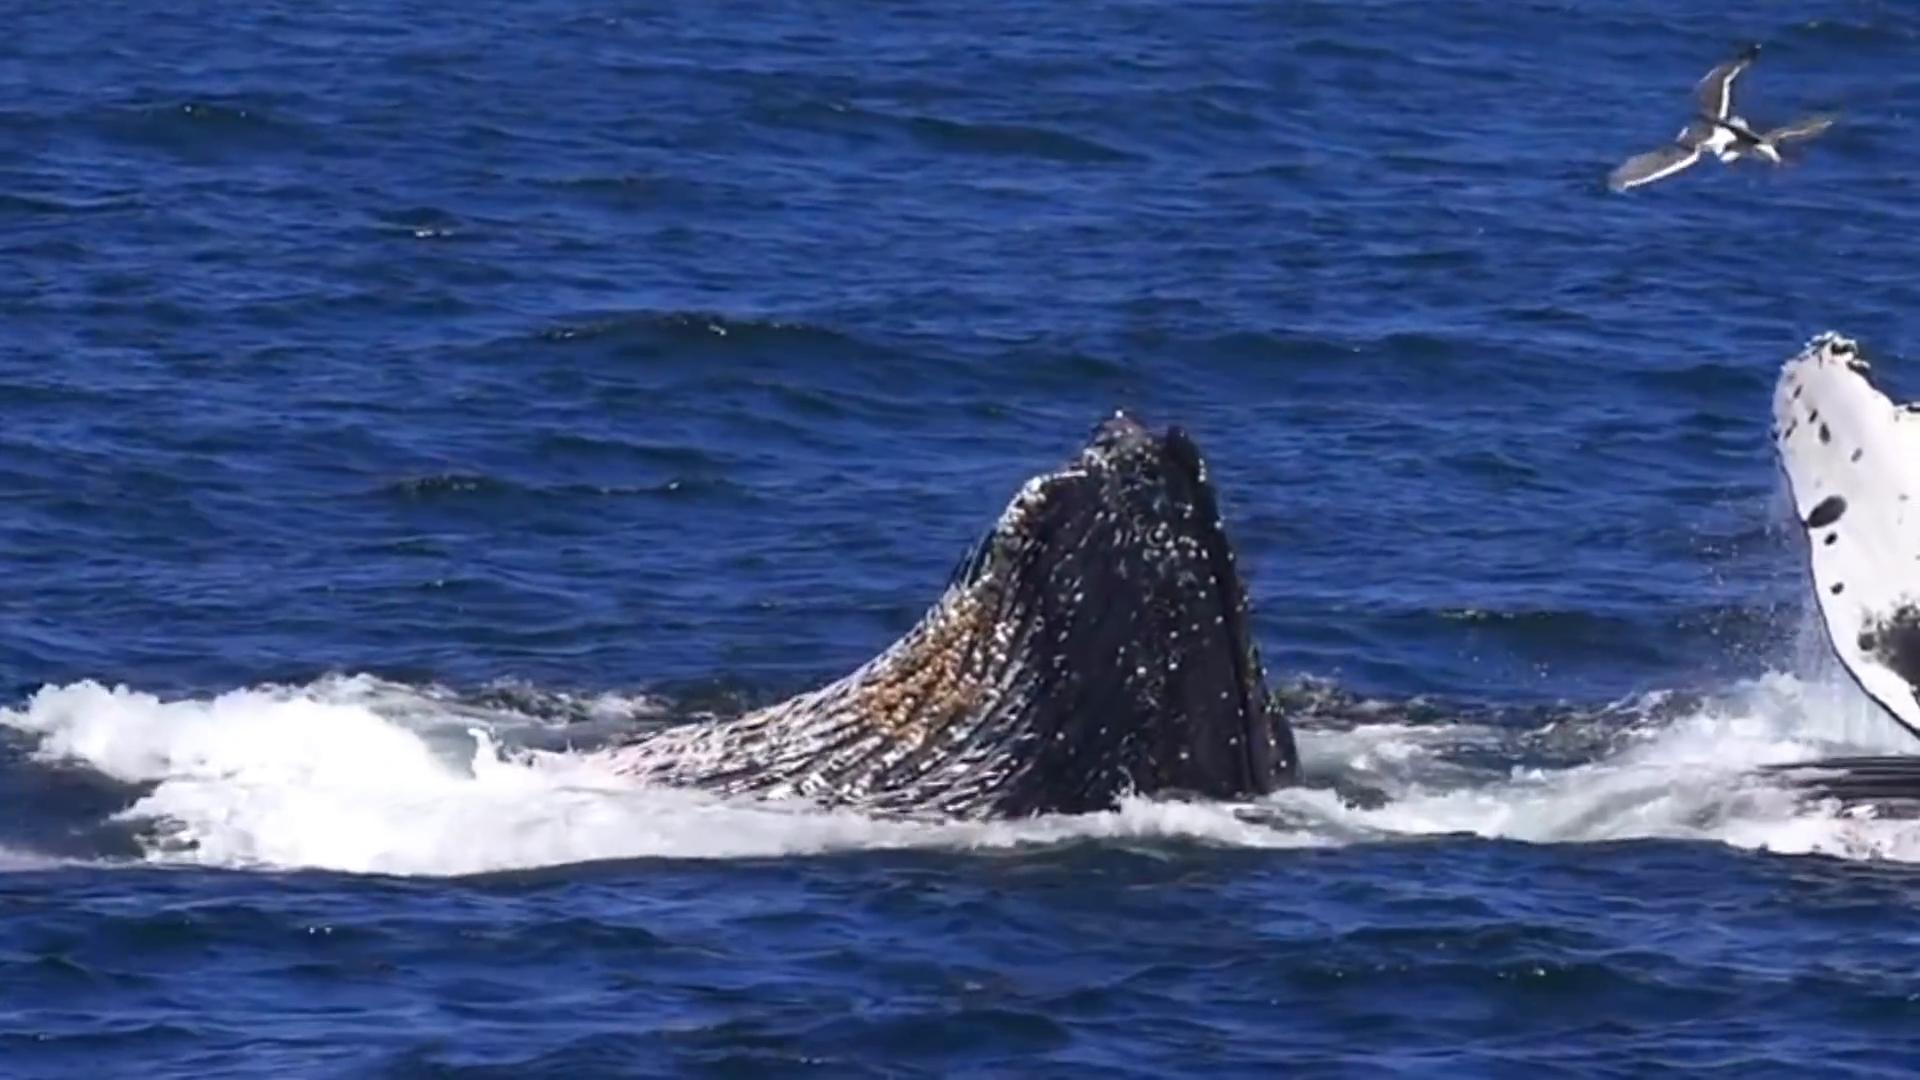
x=1118, y=606
x=1093, y=644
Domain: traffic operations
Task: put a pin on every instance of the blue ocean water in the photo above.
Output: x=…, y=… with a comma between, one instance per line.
x=393, y=389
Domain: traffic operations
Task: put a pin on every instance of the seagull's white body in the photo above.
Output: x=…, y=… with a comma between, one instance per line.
x=1723, y=143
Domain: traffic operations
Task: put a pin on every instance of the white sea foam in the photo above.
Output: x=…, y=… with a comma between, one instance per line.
x=1691, y=778
x=350, y=775
x=14, y=861
x=360, y=776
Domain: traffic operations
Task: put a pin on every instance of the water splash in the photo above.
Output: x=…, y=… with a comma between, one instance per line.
x=358, y=775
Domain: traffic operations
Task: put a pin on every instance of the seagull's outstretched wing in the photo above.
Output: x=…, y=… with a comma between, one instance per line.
x=1804, y=128
x=1652, y=165
x=1715, y=92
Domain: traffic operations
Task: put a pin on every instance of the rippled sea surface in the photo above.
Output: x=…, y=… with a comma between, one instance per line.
x=399, y=398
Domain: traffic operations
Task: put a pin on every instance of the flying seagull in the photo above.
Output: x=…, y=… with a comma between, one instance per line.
x=1714, y=129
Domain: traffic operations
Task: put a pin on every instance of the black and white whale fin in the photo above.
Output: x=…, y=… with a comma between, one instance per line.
x=1852, y=462
x=1714, y=94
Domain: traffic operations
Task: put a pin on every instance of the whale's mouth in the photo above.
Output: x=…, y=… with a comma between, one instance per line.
x=1228, y=596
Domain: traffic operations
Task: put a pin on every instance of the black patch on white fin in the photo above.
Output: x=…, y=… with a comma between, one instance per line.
x=1895, y=642
x=1827, y=512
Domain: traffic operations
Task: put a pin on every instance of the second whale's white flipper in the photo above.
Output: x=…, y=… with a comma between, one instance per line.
x=1852, y=460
